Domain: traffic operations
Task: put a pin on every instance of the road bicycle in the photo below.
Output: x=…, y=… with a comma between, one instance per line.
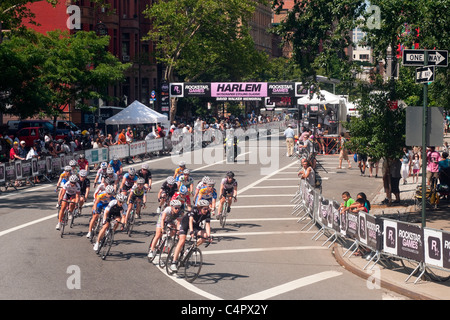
x=105, y=244
x=225, y=208
x=161, y=248
x=166, y=247
x=132, y=218
x=65, y=220
x=190, y=259
x=97, y=226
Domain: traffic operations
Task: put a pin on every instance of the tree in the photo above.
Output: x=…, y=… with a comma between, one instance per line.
x=203, y=39
x=47, y=73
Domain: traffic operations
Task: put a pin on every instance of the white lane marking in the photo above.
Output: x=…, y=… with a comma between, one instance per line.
x=257, y=219
x=289, y=286
x=265, y=195
x=263, y=233
x=205, y=252
x=2, y=233
x=273, y=187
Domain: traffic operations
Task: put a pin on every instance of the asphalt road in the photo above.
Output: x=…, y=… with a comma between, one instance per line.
x=262, y=253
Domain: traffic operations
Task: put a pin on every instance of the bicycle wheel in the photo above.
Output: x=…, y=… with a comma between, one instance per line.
x=109, y=238
x=130, y=223
x=157, y=249
x=193, y=264
x=170, y=259
x=164, y=252
x=64, y=221
x=223, y=215
x=72, y=218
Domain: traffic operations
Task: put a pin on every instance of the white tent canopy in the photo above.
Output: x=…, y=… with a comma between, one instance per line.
x=137, y=113
x=325, y=98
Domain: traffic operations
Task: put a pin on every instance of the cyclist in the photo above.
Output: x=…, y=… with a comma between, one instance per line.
x=186, y=180
x=179, y=170
x=137, y=193
x=191, y=223
x=102, y=186
x=171, y=216
x=128, y=181
x=116, y=164
x=201, y=184
x=70, y=192
x=145, y=173
x=82, y=162
x=228, y=189
x=100, y=203
x=100, y=173
x=112, y=176
x=168, y=189
x=208, y=193
x=63, y=178
x=115, y=209
x=74, y=165
x=85, y=187
x=183, y=196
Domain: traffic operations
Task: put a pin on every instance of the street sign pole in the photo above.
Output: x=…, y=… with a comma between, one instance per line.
x=424, y=146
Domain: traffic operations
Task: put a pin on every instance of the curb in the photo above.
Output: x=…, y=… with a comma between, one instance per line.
x=384, y=284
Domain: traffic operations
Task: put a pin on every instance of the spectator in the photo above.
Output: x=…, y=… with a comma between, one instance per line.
x=406, y=163
x=34, y=153
x=122, y=139
x=14, y=152
x=23, y=150
x=433, y=158
x=348, y=201
x=444, y=170
x=109, y=140
x=129, y=135
x=83, y=164
x=343, y=153
x=415, y=163
x=289, y=134
x=307, y=173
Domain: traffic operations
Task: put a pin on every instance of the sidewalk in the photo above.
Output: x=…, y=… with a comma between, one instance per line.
x=394, y=277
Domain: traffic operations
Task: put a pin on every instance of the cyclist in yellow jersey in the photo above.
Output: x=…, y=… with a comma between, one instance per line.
x=179, y=170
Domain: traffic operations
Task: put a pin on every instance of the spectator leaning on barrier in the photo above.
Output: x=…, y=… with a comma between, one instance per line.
x=307, y=173
x=14, y=152
x=433, y=158
x=122, y=139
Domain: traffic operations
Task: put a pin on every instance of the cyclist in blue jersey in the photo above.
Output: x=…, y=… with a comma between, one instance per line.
x=128, y=180
x=116, y=164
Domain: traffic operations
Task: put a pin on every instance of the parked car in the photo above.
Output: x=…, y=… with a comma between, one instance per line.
x=47, y=125
x=30, y=134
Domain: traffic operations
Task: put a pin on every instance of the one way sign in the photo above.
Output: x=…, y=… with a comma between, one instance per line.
x=425, y=74
x=438, y=58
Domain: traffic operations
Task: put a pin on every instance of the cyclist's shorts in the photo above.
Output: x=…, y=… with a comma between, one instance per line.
x=69, y=196
x=100, y=207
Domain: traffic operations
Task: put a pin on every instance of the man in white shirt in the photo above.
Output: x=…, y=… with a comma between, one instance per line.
x=289, y=134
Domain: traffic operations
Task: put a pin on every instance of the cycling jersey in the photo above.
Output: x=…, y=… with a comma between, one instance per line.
x=186, y=180
x=115, y=210
x=138, y=192
x=169, y=190
x=71, y=189
x=197, y=217
x=129, y=180
x=104, y=200
x=101, y=173
x=115, y=166
x=147, y=176
x=171, y=216
x=86, y=183
x=228, y=185
x=183, y=200
x=205, y=194
x=179, y=171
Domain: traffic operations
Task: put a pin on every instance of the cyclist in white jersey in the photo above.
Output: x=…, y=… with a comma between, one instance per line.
x=70, y=192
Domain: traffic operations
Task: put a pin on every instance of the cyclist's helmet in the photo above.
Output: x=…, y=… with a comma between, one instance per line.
x=170, y=180
x=81, y=156
x=115, y=158
x=73, y=178
x=131, y=171
x=175, y=203
x=109, y=170
x=83, y=173
x=103, y=165
x=186, y=171
x=205, y=179
x=109, y=189
x=67, y=168
x=145, y=166
x=121, y=197
x=203, y=203
x=140, y=181
x=211, y=182
x=230, y=174
x=183, y=190
x=182, y=164
x=72, y=163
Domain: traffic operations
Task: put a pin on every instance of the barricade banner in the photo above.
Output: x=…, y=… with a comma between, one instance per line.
x=390, y=236
x=336, y=217
x=48, y=164
x=352, y=225
x=56, y=165
x=2, y=172
x=154, y=145
x=434, y=247
x=370, y=230
x=34, y=167
x=18, y=168
x=446, y=249
x=10, y=171
x=324, y=212
x=410, y=241
x=41, y=166
x=98, y=155
x=62, y=156
x=120, y=150
x=137, y=147
x=26, y=169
